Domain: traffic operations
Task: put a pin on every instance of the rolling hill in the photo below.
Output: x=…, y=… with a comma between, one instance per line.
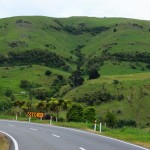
x=118, y=48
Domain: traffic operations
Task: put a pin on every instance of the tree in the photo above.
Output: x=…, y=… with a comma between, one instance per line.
x=18, y=103
x=75, y=113
x=115, y=30
x=93, y=73
x=89, y=114
x=25, y=84
x=40, y=106
x=76, y=78
x=65, y=106
x=5, y=104
x=8, y=92
x=48, y=72
x=54, y=106
x=110, y=119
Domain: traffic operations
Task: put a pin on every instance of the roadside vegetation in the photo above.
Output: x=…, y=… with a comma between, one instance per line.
x=4, y=142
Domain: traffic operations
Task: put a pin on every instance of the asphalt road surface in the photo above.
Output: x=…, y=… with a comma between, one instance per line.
x=31, y=136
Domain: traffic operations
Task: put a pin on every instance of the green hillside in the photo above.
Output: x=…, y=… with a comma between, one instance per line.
x=118, y=48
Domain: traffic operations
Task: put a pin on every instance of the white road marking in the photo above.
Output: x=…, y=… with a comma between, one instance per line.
x=14, y=141
x=33, y=129
x=55, y=135
x=82, y=148
x=11, y=125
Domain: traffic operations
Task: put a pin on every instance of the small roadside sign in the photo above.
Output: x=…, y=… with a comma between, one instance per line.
x=40, y=115
x=35, y=114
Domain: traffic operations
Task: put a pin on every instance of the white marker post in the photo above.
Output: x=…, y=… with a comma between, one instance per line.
x=16, y=117
x=50, y=122
x=29, y=119
x=95, y=125
x=100, y=127
x=41, y=118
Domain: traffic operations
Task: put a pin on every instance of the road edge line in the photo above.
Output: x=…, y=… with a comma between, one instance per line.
x=13, y=140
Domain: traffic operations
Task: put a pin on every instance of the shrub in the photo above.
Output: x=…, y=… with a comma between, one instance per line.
x=129, y=123
x=89, y=114
x=25, y=84
x=48, y=72
x=110, y=119
x=75, y=113
x=115, y=30
x=115, y=82
x=8, y=92
x=93, y=74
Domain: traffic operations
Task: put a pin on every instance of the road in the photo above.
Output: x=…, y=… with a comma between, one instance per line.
x=31, y=136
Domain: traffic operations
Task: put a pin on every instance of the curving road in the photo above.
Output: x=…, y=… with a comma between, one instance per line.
x=31, y=136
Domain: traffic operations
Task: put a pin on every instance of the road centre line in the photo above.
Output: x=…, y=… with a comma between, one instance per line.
x=33, y=129
x=11, y=125
x=55, y=135
x=81, y=148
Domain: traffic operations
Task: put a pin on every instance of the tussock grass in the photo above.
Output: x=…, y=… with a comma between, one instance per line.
x=4, y=142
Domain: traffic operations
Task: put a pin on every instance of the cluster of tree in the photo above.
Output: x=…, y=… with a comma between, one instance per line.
x=137, y=25
x=131, y=57
x=23, y=21
x=27, y=85
x=77, y=114
x=129, y=123
x=93, y=73
x=51, y=106
x=42, y=57
x=76, y=78
x=15, y=44
x=92, y=66
x=96, y=98
x=112, y=122
x=58, y=82
x=80, y=30
x=42, y=93
x=76, y=30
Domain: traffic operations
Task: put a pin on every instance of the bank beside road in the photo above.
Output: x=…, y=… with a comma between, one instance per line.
x=4, y=142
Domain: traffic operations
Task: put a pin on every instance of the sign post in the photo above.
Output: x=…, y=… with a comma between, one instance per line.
x=100, y=127
x=16, y=117
x=50, y=122
x=29, y=119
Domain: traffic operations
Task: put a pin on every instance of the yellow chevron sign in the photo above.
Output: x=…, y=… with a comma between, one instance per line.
x=35, y=114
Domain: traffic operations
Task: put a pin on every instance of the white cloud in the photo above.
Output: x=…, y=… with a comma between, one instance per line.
x=65, y=8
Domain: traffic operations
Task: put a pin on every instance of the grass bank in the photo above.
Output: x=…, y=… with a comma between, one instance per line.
x=132, y=135
x=4, y=142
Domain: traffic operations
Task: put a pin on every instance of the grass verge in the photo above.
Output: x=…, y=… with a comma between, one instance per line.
x=4, y=142
x=136, y=136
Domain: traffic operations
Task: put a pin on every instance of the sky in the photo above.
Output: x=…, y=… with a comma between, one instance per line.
x=137, y=9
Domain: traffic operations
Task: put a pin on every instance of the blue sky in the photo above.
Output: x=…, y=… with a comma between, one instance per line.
x=138, y=9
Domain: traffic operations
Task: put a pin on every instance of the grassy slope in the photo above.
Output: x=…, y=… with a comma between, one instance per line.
x=129, y=38
x=10, y=78
x=131, y=83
